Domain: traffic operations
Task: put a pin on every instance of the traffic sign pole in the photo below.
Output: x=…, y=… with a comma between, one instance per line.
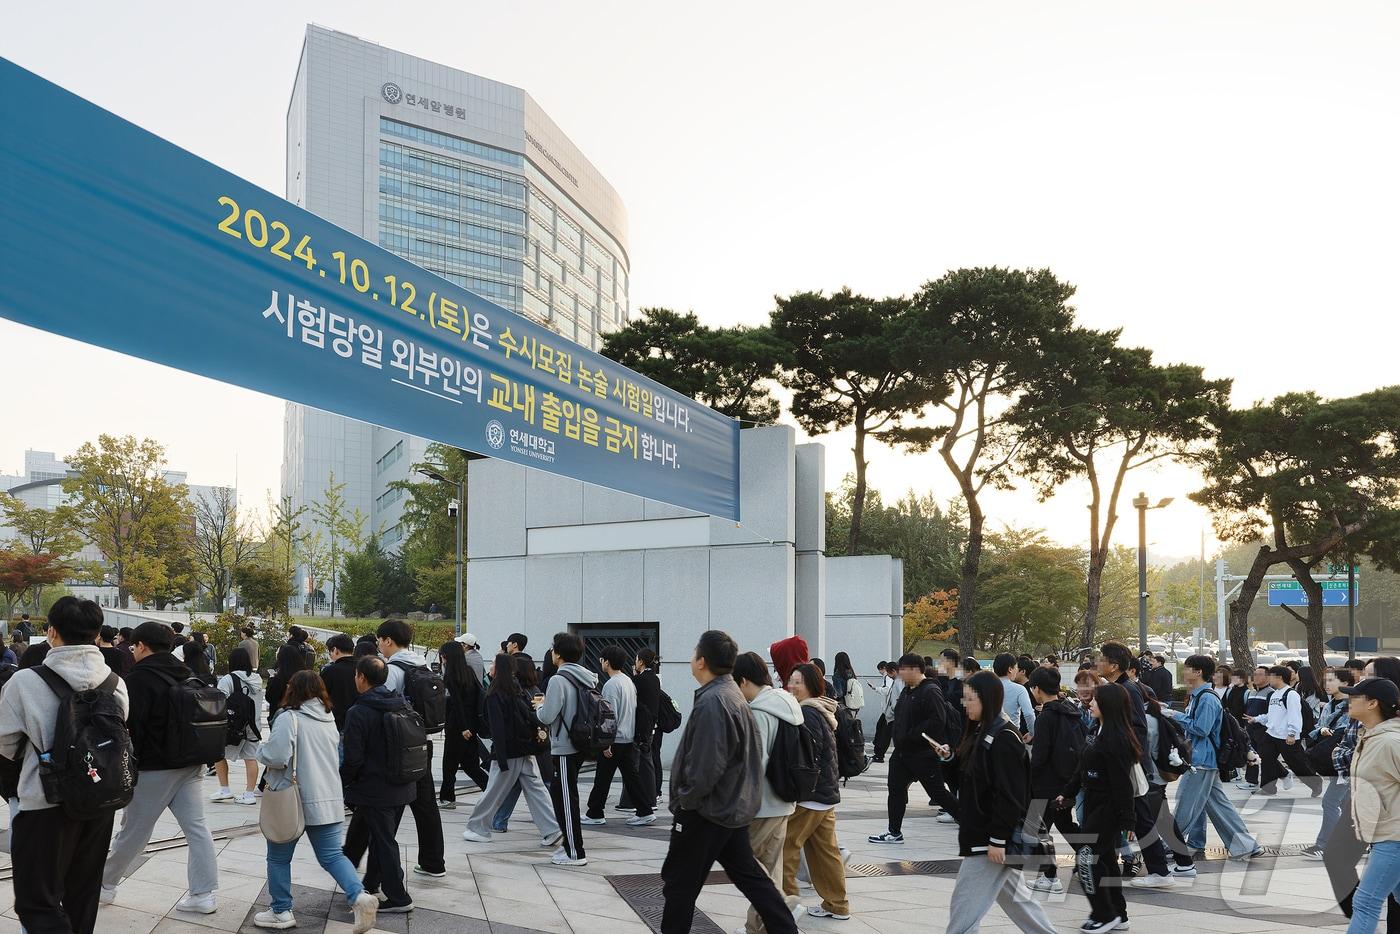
x=1351, y=609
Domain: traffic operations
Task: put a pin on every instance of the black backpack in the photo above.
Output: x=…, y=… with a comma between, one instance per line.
x=668, y=717
x=427, y=692
x=594, y=727
x=91, y=768
x=197, y=722
x=851, y=759
x=1232, y=747
x=404, y=733
x=242, y=714
x=792, y=764
x=1169, y=737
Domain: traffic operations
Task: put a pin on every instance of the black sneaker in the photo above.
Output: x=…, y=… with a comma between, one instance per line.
x=1311, y=852
x=397, y=908
x=435, y=873
x=1091, y=926
x=887, y=837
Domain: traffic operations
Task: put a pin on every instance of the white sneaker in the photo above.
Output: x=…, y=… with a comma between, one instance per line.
x=107, y=896
x=1243, y=785
x=551, y=839
x=1042, y=884
x=198, y=904
x=223, y=794
x=592, y=821
x=817, y=911
x=946, y=818
x=1151, y=881
x=471, y=836
x=1288, y=781
x=274, y=919
x=641, y=821
x=366, y=908
x=564, y=859
x=1183, y=872
x=247, y=798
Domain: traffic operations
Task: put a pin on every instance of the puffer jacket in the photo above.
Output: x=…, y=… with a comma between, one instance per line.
x=317, y=760
x=819, y=719
x=365, y=771
x=770, y=708
x=1375, y=782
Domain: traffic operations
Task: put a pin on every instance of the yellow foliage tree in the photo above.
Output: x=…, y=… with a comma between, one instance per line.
x=928, y=618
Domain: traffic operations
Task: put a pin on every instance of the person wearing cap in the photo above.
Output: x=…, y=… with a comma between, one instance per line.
x=474, y=660
x=1375, y=796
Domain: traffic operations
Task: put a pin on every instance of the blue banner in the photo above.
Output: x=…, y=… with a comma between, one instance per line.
x=113, y=236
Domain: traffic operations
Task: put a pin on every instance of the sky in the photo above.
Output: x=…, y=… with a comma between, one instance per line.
x=1216, y=179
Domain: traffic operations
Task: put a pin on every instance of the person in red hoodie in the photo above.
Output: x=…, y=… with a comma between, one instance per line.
x=787, y=654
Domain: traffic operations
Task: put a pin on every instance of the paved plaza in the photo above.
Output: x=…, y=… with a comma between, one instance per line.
x=508, y=885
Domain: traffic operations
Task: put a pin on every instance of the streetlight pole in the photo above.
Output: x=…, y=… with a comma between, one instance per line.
x=1141, y=504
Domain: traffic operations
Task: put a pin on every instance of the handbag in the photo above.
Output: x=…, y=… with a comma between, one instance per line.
x=1139, y=780
x=281, y=817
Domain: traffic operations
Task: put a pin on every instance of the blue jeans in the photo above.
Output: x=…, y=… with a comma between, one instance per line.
x=1382, y=878
x=1199, y=794
x=506, y=809
x=325, y=841
x=1332, y=801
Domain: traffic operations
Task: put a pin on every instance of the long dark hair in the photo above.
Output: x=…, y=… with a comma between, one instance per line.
x=525, y=672
x=1307, y=684
x=455, y=670
x=290, y=660
x=1117, y=725
x=842, y=671
x=1387, y=667
x=240, y=660
x=987, y=686
x=195, y=659
x=504, y=682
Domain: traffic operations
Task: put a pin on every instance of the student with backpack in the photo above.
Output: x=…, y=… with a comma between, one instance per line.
x=1164, y=758
x=994, y=793
x=1282, y=736
x=57, y=848
x=557, y=713
x=384, y=762
x=461, y=737
x=649, y=734
x=243, y=688
x=1055, y=750
x=178, y=726
x=619, y=691
x=776, y=715
x=510, y=718
x=304, y=743
x=716, y=788
x=1218, y=747
x=920, y=711
x=811, y=830
x=407, y=674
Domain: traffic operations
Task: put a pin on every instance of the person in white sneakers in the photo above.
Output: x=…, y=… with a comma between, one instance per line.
x=304, y=744
x=622, y=755
x=243, y=687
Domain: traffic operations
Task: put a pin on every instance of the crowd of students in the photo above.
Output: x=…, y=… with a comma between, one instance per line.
x=95, y=722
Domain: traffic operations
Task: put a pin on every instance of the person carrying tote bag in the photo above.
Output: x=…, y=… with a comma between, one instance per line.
x=304, y=797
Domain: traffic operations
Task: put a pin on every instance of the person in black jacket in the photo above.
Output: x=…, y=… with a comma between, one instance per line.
x=1106, y=776
x=1115, y=659
x=919, y=712
x=460, y=736
x=1059, y=740
x=163, y=785
x=993, y=796
x=648, y=736
x=378, y=802
x=339, y=677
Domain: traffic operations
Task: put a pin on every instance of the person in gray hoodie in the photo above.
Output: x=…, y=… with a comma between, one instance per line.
x=556, y=713
x=57, y=860
x=770, y=709
x=716, y=789
x=305, y=743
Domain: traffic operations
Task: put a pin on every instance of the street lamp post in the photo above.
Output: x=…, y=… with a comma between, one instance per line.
x=459, y=507
x=1141, y=503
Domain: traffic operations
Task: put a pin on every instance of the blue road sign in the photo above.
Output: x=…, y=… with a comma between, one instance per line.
x=1291, y=593
x=1364, y=644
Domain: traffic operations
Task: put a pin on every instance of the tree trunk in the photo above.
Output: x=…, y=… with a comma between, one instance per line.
x=967, y=589
x=1312, y=624
x=1240, y=647
x=858, y=500
x=1094, y=596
